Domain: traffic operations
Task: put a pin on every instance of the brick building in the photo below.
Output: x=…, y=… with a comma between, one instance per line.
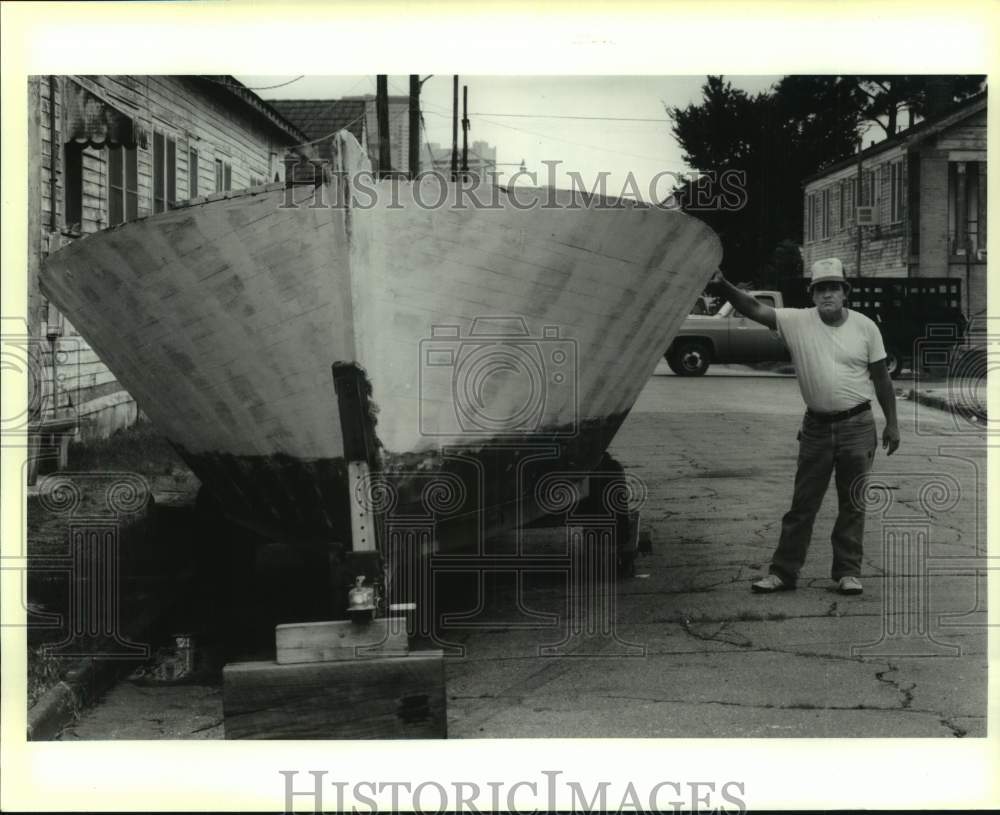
x=926, y=190
x=108, y=149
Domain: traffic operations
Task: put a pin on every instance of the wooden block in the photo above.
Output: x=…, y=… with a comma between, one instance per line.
x=339, y=640
x=386, y=698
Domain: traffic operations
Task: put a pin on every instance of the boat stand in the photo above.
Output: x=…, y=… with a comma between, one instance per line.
x=343, y=679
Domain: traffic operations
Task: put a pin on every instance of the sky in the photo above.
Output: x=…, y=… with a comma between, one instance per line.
x=521, y=117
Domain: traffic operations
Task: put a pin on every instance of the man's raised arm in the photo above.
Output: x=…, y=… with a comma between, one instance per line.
x=746, y=304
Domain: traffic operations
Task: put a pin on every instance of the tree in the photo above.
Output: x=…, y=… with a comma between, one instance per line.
x=884, y=98
x=774, y=140
x=779, y=138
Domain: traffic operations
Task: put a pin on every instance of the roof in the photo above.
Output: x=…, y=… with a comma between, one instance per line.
x=911, y=136
x=370, y=97
x=235, y=89
x=321, y=118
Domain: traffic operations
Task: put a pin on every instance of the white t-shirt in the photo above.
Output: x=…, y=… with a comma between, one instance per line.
x=831, y=363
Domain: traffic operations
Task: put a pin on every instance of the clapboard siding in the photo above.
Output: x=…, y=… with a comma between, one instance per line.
x=196, y=114
x=919, y=244
x=883, y=247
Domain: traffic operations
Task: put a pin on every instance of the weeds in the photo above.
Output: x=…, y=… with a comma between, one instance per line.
x=137, y=449
x=44, y=671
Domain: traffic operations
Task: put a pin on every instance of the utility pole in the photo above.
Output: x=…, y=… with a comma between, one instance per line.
x=414, y=125
x=454, y=130
x=857, y=220
x=465, y=131
x=382, y=112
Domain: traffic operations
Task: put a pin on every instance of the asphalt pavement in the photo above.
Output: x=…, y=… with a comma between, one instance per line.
x=683, y=648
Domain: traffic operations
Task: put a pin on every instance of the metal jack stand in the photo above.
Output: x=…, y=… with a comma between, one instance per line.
x=343, y=679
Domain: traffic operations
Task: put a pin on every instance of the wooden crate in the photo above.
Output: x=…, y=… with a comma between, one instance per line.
x=383, y=698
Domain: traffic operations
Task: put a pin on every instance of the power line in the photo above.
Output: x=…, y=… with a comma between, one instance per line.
x=280, y=85
x=246, y=87
x=567, y=141
x=567, y=116
x=563, y=116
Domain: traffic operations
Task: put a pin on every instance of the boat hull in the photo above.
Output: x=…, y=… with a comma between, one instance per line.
x=484, y=337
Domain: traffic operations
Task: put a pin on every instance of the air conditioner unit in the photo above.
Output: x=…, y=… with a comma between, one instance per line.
x=866, y=216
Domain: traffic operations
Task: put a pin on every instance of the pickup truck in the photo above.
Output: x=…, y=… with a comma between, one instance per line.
x=724, y=337
x=908, y=312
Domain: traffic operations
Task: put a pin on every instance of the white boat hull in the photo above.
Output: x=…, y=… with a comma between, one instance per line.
x=481, y=332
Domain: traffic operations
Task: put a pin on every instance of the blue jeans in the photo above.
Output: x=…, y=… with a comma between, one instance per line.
x=848, y=448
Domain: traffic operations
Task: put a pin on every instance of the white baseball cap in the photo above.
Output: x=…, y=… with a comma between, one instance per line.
x=829, y=270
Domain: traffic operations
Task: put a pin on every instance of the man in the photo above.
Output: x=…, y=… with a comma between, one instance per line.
x=838, y=356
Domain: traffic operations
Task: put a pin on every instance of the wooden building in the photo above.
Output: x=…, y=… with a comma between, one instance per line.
x=918, y=200
x=108, y=149
x=320, y=119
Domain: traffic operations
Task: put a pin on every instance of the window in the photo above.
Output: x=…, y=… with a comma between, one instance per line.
x=766, y=299
x=192, y=173
x=897, y=200
x=164, y=172
x=223, y=175
x=869, y=188
x=842, y=209
x=967, y=207
x=73, y=185
x=123, y=185
x=256, y=181
x=826, y=213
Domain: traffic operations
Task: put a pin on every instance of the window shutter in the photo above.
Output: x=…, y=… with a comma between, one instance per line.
x=193, y=173
x=227, y=183
x=171, y=170
x=73, y=184
x=116, y=186
x=131, y=184
x=159, y=186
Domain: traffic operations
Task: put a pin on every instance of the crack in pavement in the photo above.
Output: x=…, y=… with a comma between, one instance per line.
x=956, y=731
x=713, y=637
x=906, y=691
x=769, y=706
x=772, y=617
x=552, y=669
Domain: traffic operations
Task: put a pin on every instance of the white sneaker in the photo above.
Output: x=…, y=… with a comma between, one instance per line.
x=770, y=583
x=849, y=585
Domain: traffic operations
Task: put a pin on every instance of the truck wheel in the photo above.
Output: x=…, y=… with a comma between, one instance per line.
x=893, y=363
x=690, y=358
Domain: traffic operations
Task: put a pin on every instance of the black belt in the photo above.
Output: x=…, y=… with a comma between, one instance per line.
x=828, y=418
